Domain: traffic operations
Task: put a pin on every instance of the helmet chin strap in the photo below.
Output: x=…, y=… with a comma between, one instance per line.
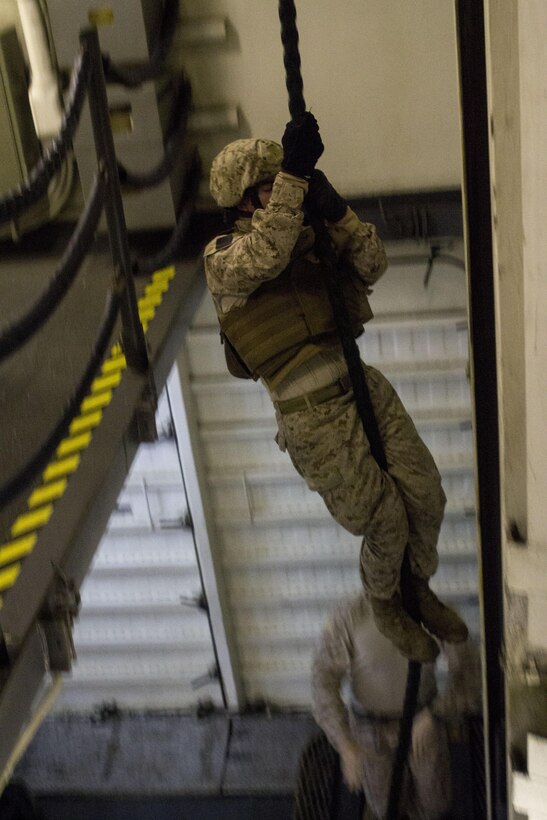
x=252, y=195
x=255, y=199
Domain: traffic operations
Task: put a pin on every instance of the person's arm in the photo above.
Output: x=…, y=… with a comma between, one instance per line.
x=357, y=243
x=360, y=246
x=331, y=664
x=236, y=270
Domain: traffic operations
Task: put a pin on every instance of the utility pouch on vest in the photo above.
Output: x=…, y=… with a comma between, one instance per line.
x=235, y=364
x=355, y=294
x=308, y=283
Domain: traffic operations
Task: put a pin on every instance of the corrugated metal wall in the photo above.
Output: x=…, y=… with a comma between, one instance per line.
x=140, y=639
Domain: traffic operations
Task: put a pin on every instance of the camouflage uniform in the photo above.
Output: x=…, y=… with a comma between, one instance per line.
x=328, y=447
x=351, y=648
x=326, y=442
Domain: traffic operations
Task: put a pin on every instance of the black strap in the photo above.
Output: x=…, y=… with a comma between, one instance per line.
x=235, y=364
x=223, y=241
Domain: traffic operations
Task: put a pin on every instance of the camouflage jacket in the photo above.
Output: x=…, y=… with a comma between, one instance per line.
x=352, y=651
x=260, y=248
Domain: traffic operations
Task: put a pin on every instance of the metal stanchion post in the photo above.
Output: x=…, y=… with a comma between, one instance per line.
x=133, y=339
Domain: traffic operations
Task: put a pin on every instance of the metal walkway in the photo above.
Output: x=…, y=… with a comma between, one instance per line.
x=36, y=382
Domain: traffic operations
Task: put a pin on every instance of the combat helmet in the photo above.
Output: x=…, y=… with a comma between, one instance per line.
x=240, y=165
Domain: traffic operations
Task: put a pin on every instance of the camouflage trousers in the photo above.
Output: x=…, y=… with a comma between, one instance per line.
x=392, y=510
x=427, y=784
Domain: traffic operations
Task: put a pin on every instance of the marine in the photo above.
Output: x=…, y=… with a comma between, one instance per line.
x=268, y=288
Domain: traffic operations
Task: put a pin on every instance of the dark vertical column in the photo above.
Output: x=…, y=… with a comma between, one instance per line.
x=473, y=91
x=134, y=342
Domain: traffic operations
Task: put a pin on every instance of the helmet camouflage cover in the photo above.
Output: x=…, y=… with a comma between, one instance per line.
x=240, y=165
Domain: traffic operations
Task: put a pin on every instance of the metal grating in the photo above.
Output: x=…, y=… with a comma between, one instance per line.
x=316, y=778
x=478, y=786
x=320, y=791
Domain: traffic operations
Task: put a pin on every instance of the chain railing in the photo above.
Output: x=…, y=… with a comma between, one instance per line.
x=175, y=133
x=88, y=79
x=14, y=336
x=132, y=77
x=39, y=460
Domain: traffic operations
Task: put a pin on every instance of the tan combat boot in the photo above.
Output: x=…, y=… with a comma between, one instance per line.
x=396, y=624
x=437, y=618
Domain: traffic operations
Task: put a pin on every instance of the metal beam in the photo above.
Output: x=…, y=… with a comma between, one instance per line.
x=478, y=230
x=19, y=692
x=186, y=429
x=416, y=215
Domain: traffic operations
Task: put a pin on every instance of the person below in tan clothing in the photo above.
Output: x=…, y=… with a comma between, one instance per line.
x=363, y=724
x=269, y=291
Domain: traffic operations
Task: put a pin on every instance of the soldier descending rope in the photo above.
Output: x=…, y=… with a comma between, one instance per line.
x=269, y=290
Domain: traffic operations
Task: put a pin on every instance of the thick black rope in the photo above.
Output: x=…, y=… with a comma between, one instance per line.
x=36, y=185
x=325, y=250
x=324, y=247
x=409, y=705
x=149, y=264
x=15, y=335
x=40, y=459
x=132, y=77
x=291, y=59
x=176, y=132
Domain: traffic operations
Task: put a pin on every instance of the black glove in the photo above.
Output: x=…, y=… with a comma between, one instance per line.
x=302, y=146
x=322, y=199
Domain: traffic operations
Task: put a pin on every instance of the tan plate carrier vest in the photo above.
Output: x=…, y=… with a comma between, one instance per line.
x=290, y=315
